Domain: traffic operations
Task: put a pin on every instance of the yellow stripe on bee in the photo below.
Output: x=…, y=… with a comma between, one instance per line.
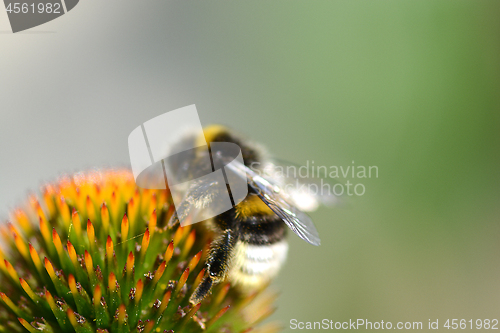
x=210, y=133
x=251, y=206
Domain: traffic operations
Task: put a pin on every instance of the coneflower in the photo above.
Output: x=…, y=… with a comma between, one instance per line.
x=93, y=254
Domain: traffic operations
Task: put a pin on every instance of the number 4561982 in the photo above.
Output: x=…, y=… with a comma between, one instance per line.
x=40, y=8
x=478, y=324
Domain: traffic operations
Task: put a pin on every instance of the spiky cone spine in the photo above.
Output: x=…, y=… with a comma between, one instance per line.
x=94, y=254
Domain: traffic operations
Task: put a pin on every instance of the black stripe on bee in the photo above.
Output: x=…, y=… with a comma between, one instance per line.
x=256, y=229
x=261, y=231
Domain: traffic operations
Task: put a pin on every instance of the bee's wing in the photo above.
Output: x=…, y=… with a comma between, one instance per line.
x=295, y=219
x=308, y=191
x=272, y=195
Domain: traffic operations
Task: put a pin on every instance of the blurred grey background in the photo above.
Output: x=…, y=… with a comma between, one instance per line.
x=410, y=87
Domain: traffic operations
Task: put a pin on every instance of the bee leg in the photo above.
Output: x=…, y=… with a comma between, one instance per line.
x=218, y=264
x=174, y=219
x=221, y=253
x=199, y=194
x=180, y=212
x=202, y=290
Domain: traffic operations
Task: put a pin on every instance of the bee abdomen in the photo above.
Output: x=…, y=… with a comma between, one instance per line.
x=255, y=265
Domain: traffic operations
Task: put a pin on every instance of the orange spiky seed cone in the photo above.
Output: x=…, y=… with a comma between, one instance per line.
x=124, y=270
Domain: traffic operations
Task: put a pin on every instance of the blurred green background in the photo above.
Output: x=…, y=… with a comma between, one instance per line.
x=412, y=87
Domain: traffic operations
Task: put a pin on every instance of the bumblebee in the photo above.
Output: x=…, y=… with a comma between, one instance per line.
x=250, y=243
